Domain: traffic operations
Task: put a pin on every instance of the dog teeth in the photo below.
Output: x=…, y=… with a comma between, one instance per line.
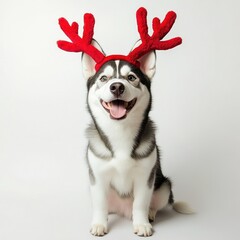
x=110, y=104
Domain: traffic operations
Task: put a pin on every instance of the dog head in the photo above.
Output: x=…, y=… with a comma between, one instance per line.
x=119, y=89
x=119, y=85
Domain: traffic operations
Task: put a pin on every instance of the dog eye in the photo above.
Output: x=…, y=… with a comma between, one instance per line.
x=103, y=78
x=131, y=77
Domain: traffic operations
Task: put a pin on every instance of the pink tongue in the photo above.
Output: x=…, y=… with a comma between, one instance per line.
x=117, y=110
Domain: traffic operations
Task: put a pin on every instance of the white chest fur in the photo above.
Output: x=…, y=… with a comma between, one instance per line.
x=121, y=172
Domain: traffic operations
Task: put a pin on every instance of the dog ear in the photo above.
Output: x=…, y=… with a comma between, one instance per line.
x=88, y=64
x=147, y=62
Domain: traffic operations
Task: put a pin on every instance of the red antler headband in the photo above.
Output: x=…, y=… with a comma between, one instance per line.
x=83, y=44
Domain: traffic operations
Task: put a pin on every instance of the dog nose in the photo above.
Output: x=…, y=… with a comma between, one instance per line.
x=117, y=88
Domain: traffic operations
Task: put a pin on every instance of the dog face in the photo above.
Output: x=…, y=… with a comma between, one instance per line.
x=119, y=89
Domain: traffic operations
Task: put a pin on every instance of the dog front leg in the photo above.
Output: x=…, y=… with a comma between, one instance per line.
x=142, y=198
x=100, y=209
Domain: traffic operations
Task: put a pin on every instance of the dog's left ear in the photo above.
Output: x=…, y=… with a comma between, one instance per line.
x=88, y=64
x=147, y=62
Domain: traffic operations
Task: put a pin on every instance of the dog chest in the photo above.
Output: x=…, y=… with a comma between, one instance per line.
x=122, y=175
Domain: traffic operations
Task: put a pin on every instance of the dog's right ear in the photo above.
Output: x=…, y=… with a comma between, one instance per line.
x=88, y=64
x=147, y=62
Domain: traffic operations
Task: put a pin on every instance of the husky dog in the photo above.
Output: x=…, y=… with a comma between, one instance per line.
x=122, y=155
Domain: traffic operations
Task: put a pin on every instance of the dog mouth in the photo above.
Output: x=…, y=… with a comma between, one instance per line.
x=118, y=109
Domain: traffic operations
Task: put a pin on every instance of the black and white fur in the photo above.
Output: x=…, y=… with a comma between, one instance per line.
x=122, y=155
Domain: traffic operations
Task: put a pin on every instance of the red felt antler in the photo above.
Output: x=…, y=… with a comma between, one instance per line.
x=160, y=30
x=79, y=44
x=148, y=43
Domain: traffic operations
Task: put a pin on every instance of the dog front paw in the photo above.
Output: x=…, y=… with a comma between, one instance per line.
x=144, y=230
x=98, y=230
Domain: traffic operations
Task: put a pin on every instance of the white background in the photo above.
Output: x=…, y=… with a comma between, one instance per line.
x=43, y=176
